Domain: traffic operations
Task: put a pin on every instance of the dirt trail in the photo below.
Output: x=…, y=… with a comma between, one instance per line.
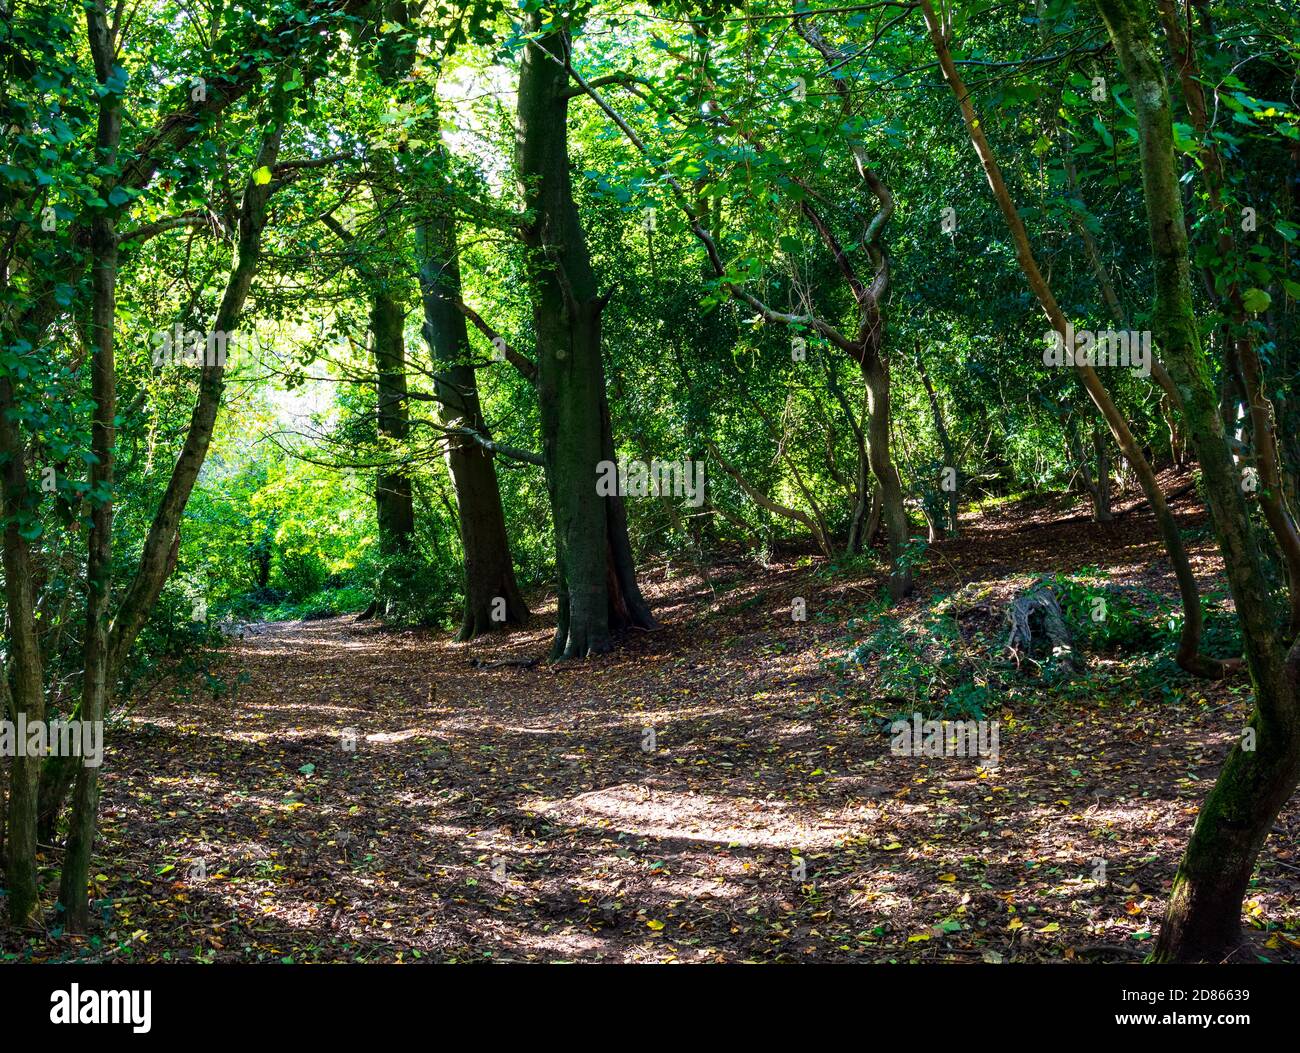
x=699, y=795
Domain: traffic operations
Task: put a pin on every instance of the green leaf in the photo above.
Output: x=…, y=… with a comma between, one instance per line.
x=1256, y=300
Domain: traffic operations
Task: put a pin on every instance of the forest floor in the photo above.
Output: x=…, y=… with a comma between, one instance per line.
x=509, y=813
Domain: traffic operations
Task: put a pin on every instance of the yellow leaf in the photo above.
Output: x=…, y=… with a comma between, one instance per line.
x=656, y=925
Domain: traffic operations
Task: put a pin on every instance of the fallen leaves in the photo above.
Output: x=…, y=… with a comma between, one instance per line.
x=520, y=818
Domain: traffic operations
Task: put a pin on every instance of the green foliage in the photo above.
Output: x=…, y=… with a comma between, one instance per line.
x=1108, y=619
x=1103, y=618
x=920, y=666
x=282, y=522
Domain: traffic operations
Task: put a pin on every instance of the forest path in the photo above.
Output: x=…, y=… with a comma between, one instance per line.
x=512, y=813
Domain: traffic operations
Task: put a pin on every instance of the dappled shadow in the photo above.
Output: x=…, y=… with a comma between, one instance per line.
x=701, y=794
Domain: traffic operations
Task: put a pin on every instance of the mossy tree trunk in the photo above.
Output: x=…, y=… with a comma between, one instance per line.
x=394, y=505
x=598, y=592
x=24, y=690
x=97, y=675
x=395, y=512
x=875, y=372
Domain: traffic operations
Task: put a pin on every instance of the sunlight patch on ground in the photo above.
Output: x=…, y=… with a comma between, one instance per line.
x=742, y=821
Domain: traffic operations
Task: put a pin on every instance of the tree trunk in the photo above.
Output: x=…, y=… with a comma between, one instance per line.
x=1177, y=444
x=1097, y=486
x=98, y=673
x=866, y=510
x=1251, y=370
x=868, y=348
x=396, y=516
x=597, y=593
x=1203, y=922
x=159, y=557
x=394, y=508
x=58, y=773
x=865, y=518
x=492, y=596
x=5, y=714
x=897, y=529
x=1102, y=513
x=945, y=441
x=27, y=696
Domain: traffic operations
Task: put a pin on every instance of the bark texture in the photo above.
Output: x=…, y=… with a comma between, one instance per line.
x=598, y=592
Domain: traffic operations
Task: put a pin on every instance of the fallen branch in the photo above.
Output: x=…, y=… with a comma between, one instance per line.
x=522, y=663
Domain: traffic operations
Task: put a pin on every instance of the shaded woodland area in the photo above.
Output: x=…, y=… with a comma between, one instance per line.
x=649, y=482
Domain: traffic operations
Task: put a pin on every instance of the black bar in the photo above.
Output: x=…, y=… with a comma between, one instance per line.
x=586, y=1003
